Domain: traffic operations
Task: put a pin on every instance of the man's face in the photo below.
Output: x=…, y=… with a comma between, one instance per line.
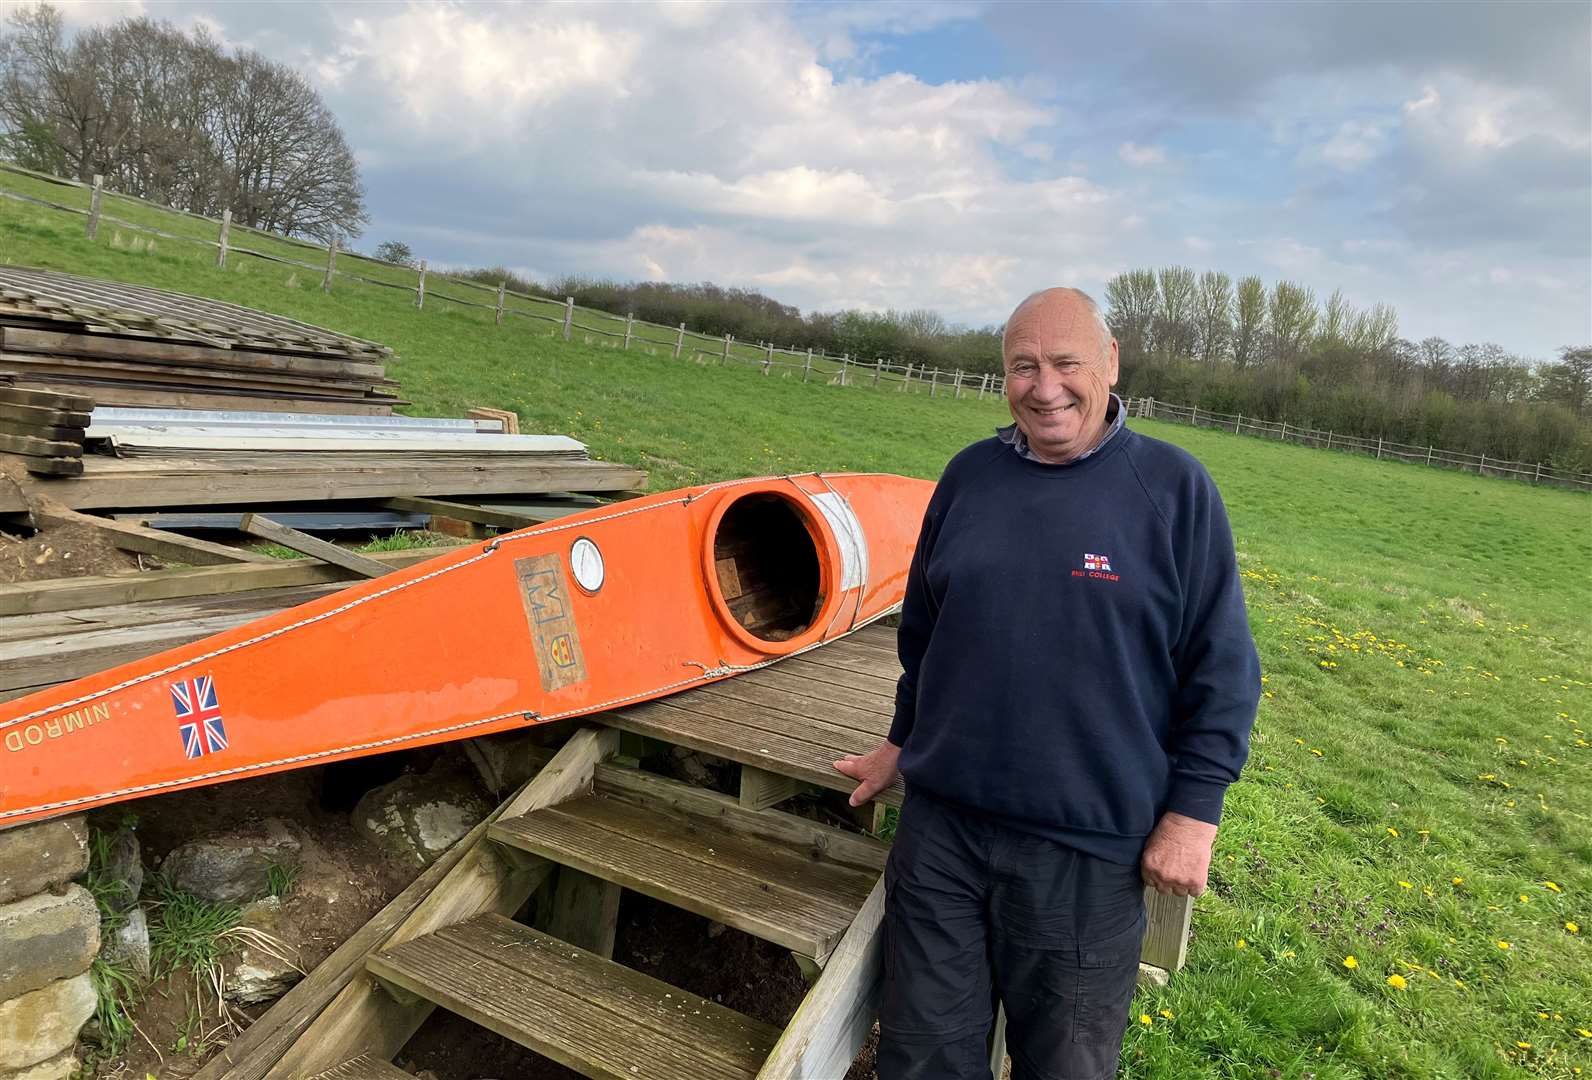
x=1058, y=375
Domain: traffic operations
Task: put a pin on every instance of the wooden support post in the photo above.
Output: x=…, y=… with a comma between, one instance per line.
x=1481, y=465
x=585, y=911
x=957, y=395
x=1166, y=930
x=498, y=314
x=266, y=529
x=983, y=385
x=94, y=206
x=1429, y=451
x=679, y=341
x=726, y=357
x=807, y=368
x=364, y=1018
x=224, y=238
x=630, y=325
x=906, y=379
x=171, y=546
x=1238, y=425
x=878, y=366
x=768, y=358
x=1329, y=440
x=845, y=360
x=331, y=266
x=569, y=315
x=1537, y=479
x=1379, y=448
x=1194, y=417
x=934, y=382
x=420, y=288
x=761, y=789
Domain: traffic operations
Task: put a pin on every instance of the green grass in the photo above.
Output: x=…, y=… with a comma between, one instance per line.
x=1426, y=648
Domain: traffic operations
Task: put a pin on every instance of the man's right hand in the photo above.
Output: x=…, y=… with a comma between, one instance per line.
x=873, y=771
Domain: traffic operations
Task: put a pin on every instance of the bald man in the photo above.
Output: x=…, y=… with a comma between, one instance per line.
x=1078, y=688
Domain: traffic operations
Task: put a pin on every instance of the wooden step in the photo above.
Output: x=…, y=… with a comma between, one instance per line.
x=588, y=1014
x=762, y=886
x=364, y=1067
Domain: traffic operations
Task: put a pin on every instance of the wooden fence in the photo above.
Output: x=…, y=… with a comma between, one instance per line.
x=1381, y=449
x=767, y=357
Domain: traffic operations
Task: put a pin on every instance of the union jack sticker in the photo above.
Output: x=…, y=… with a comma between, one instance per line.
x=200, y=714
x=1096, y=562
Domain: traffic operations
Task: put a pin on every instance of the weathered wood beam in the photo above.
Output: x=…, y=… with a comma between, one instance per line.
x=266, y=529
x=1166, y=936
x=480, y=515
x=364, y=1018
x=585, y=911
x=761, y=789
x=68, y=594
x=129, y=536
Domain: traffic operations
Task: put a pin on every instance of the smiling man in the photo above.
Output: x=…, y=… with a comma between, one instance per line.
x=1078, y=686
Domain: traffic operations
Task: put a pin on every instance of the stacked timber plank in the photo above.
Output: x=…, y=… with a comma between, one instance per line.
x=45, y=430
x=124, y=344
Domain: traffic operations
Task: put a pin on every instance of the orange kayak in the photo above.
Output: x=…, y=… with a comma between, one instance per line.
x=595, y=611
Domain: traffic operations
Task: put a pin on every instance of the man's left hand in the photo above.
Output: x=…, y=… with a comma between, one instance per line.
x=1177, y=858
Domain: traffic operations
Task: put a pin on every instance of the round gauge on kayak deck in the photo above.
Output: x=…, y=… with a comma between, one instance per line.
x=586, y=563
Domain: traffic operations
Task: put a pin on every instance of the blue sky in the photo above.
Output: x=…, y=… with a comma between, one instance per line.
x=957, y=156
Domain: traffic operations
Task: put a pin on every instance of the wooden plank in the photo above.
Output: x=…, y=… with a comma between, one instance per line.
x=67, y=594
x=43, y=431
x=44, y=399
x=839, y=676
x=222, y=380
x=263, y=478
x=44, y=417
x=847, y=656
x=777, y=753
x=363, y=1018
x=834, y=1019
x=761, y=789
x=176, y=547
x=535, y=1012
x=263, y=527
x=773, y=912
x=751, y=695
x=777, y=721
x=1166, y=932
x=178, y=398
x=510, y=420
x=782, y=677
x=501, y=519
x=51, y=466
x=819, y=841
x=37, y=447
x=170, y=352
x=585, y=911
x=642, y=1000
x=262, y=1044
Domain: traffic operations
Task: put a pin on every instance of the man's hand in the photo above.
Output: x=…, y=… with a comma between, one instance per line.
x=1177, y=858
x=874, y=771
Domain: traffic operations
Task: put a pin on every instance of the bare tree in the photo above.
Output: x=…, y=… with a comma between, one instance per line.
x=1131, y=304
x=1213, y=308
x=1249, y=327
x=1174, y=317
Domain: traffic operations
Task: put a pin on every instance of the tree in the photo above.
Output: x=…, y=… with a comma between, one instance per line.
x=172, y=118
x=1291, y=315
x=395, y=251
x=1569, y=382
x=1130, y=311
x=1249, y=327
x=1213, y=310
x=1174, y=316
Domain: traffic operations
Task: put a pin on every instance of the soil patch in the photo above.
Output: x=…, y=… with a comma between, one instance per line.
x=61, y=551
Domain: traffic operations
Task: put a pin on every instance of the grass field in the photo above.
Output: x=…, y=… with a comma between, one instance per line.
x=1419, y=792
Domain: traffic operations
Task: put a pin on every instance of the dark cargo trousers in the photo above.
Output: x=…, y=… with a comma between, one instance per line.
x=976, y=911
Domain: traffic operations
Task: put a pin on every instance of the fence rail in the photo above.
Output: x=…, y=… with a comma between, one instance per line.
x=844, y=370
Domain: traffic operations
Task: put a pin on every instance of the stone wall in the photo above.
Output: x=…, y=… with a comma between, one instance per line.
x=49, y=935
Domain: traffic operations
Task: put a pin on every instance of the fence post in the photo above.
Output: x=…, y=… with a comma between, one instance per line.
x=934, y=382
x=906, y=380
x=1285, y=431
x=878, y=366
x=420, y=288
x=845, y=359
x=94, y=206
x=630, y=321
x=224, y=238
x=1329, y=440
x=331, y=265
x=768, y=358
x=807, y=368
x=983, y=384
x=1379, y=448
x=726, y=357
x=1537, y=479
x=502, y=288
x=1481, y=465
x=957, y=395
x=679, y=341
x=1429, y=450
x=569, y=315
x=1238, y=425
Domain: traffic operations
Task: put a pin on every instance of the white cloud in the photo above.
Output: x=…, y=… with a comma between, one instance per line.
x=1353, y=145
x=1140, y=156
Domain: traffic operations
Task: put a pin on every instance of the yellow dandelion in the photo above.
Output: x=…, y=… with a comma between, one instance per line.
x=1242, y=944
x=1167, y=1013
x=1573, y=928
x=1405, y=885
x=1459, y=881
x=1350, y=962
x=1503, y=945
x=1551, y=887
x=1524, y=899
x=1144, y=1018
x=1316, y=752
x=1523, y=1045
x=1584, y=1033
x=1299, y=742
x=1391, y=831
x=1396, y=982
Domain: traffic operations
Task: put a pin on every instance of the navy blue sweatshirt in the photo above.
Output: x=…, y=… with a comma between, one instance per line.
x=1077, y=657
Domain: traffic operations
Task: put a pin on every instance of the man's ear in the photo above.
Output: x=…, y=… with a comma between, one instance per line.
x=1111, y=364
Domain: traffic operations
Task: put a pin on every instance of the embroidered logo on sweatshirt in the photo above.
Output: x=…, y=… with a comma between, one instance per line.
x=1098, y=567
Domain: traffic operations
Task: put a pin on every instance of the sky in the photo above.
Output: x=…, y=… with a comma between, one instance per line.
x=960, y=155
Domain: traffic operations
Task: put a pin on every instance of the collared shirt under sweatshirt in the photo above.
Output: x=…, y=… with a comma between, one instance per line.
x=1076, y=654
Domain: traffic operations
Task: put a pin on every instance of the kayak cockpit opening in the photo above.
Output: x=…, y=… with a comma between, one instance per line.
x=766, y=561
